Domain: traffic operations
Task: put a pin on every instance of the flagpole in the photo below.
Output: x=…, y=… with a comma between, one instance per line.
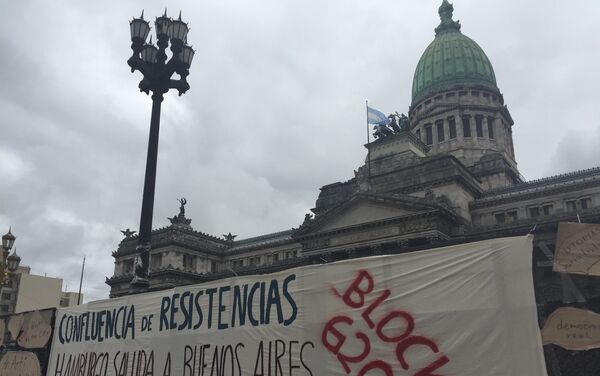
x=368, y=141
x=80, y=282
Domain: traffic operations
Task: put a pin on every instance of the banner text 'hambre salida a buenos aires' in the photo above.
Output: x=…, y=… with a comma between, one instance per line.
x=389, y=315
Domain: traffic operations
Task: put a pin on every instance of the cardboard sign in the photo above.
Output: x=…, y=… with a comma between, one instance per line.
x=577, y=248
x=465, y=310
x=2, y=331
x=15, y=323
x=573, y=329
x=36, y=330
x=20, y=363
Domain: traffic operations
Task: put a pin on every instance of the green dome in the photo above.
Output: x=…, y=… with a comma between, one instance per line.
x=451, y=59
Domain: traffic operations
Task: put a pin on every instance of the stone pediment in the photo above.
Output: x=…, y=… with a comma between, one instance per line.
x=367, y=208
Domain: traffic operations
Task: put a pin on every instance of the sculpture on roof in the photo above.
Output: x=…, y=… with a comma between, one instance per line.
x=128, y=233
x=361, y=178
x=229, y=237
x=399, y=122
x=393, y=123
x=182, y=201
x=403, y=122
x=180, y=219
x=447, y=23
x=381, y=131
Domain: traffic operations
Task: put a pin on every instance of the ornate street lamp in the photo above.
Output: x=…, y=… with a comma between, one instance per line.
x=152, y=62
x=9, y=263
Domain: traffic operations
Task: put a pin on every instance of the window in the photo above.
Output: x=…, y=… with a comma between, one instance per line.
x=500, y=218
x=156, y=260
x=490, y=125
x=440, y=130
x=127, y=266
x=512, y=215
x=475, y=93
x=534, y=212
x=547, y=209
x=419, y=134
x=571, y=205
x=237, y=263
x=428, y=135
x=479, y=126
x=585, y=203
x=6, y=296
x=275, y=257
x=466, y=126
x=3, y=308
x=189, y=262
x=213, y=267
x=452, y=127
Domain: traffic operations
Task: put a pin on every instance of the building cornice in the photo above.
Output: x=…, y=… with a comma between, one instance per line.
x=534, y=189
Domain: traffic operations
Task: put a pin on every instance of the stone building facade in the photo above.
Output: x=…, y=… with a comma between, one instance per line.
x=450, y=177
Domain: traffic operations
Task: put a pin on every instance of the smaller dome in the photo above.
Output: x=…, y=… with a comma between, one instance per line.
x=451, y=59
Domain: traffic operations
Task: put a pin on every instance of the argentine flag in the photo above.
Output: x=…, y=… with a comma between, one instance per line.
x=376, y=117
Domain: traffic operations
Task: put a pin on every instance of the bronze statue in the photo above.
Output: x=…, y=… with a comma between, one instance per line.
x=381, y=130
x=180, y=219
x=403, y=122
x=182, y=201
x=393, y=124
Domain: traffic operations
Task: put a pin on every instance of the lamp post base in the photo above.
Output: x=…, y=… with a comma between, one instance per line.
x=139, y=282
x=138, y=285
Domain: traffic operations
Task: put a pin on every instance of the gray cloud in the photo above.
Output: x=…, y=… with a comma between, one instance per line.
x=276, y=110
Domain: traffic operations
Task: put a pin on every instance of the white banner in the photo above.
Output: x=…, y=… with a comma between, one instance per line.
x=456, y=311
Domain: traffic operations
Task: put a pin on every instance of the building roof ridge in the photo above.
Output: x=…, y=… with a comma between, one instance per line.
x=545, y=180
x=262, y=237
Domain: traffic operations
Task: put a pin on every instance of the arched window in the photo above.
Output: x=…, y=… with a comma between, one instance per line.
x=490, y=126
x=452, y=127
x=440, y=130
x=466, y=126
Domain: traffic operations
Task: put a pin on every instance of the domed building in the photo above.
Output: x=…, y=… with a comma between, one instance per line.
x=448, y=175
x=457, y=107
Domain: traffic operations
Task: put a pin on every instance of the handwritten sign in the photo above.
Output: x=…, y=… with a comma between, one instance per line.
x=2, y=331
x=573, y=329
x=20, y=363
x=36, y=330
x=15, y=323
x=577, y=248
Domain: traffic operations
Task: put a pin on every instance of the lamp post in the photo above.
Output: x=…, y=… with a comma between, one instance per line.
x=10, y=262
x=157, y=71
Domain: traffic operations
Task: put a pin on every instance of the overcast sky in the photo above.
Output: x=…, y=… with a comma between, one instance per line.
x=275, y=110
